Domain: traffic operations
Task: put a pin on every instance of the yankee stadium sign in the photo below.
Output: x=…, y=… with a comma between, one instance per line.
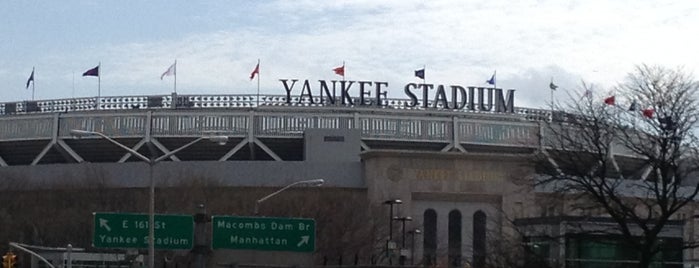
x=373, y=93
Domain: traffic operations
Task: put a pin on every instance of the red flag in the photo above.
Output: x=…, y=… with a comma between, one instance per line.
x=92, y=72
x=609, y=101
x=648, y=112
x=340, y=70
x=256, y=71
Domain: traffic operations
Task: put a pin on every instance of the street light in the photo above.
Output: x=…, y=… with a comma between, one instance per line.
x=390, y=203
x=151, y=162
x=412, y=234
x=403, y=220
x=314, y=183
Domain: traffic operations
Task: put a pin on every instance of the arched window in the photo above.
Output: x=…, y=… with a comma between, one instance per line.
x=429, y=244
x=454, y=238
x=479, y=229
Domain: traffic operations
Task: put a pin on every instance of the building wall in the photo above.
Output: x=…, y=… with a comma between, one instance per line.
x=446, y=182
x=135, y=174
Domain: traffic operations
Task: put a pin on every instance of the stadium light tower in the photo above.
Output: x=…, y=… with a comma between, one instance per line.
x=315, y=183
x=221, y=140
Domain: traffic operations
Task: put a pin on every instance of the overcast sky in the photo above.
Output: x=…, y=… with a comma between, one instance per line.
x=218, y=43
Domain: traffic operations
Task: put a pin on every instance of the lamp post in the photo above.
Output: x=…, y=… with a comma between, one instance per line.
x=390, y=204
x=402, y=220
x=315, y=183
x=151, y=162
x=412, y=234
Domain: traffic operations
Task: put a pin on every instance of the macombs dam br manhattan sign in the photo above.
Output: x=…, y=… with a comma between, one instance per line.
x=373, y=93
x=263, y=233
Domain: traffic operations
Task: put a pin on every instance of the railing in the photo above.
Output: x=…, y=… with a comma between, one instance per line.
x=275, y=118
x=270, y=120
x=175, y=101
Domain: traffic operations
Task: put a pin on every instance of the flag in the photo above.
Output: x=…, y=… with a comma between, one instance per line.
x=172, y=70
x=93, y=72
x=609, y=100
x=256, y=71
x=31, y=78
x=491, y=80
x=552, y=86
x=420, y=73
x=648, y=112
x=634, y=106
x=340, y=70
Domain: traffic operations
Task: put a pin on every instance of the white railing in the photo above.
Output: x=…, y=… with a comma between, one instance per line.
x=215, y=101
x=192, y=115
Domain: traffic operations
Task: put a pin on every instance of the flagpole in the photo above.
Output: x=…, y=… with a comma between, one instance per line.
x=175, y=83
x=258, y=83
x=343, y=70
x=424, y=70
x=495, y=79
x=33, y=82
x=99, y=82
x=551, y=87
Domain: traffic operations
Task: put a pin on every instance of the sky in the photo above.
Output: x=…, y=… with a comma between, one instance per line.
x=218, y=43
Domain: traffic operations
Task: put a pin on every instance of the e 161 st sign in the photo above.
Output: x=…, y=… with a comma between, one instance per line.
x=262, y=233
x=129, y=230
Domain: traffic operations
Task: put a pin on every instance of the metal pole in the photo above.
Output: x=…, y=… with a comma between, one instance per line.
x=403, y=244
x=151, y=217
x=316, y=182
x=390, y=204
x=69, y=257
x=257, y=99
x=99, y=81
x=412, y=248
x=390, y=224
x=18, y=246
x=390, y=234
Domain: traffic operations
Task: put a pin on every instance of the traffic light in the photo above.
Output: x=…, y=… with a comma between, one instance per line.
x=9, y=260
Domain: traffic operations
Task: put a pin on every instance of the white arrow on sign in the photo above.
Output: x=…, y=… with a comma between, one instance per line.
x=103, y=224
x=304, y=240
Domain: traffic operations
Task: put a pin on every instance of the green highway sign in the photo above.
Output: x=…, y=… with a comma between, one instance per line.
x=129, y=230
x=262, y=233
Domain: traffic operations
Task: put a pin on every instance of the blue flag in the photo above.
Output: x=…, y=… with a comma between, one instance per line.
x=491, y=80
x=92, y=72
x=420, y=73
x=31, y=78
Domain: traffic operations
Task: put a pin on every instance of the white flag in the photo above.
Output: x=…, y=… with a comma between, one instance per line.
x=172, y=70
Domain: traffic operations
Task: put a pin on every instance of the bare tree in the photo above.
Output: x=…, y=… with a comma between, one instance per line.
x=635, y=164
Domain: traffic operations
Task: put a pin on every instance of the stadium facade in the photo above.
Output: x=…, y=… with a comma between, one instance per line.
x=461, y=173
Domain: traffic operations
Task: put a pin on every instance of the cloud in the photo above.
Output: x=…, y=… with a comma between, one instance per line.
x=458, y=43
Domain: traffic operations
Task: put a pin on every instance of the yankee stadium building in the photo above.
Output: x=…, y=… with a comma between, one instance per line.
x=451, y=162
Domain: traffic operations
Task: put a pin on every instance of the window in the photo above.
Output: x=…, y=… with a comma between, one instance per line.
x=479, y=228
x=429, y=245
x=454, y=238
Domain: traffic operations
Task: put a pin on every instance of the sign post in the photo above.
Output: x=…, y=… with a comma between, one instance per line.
x=129, y=230
x=263, y=233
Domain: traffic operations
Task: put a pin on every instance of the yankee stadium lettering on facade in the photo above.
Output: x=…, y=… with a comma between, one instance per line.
x=454, y=97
